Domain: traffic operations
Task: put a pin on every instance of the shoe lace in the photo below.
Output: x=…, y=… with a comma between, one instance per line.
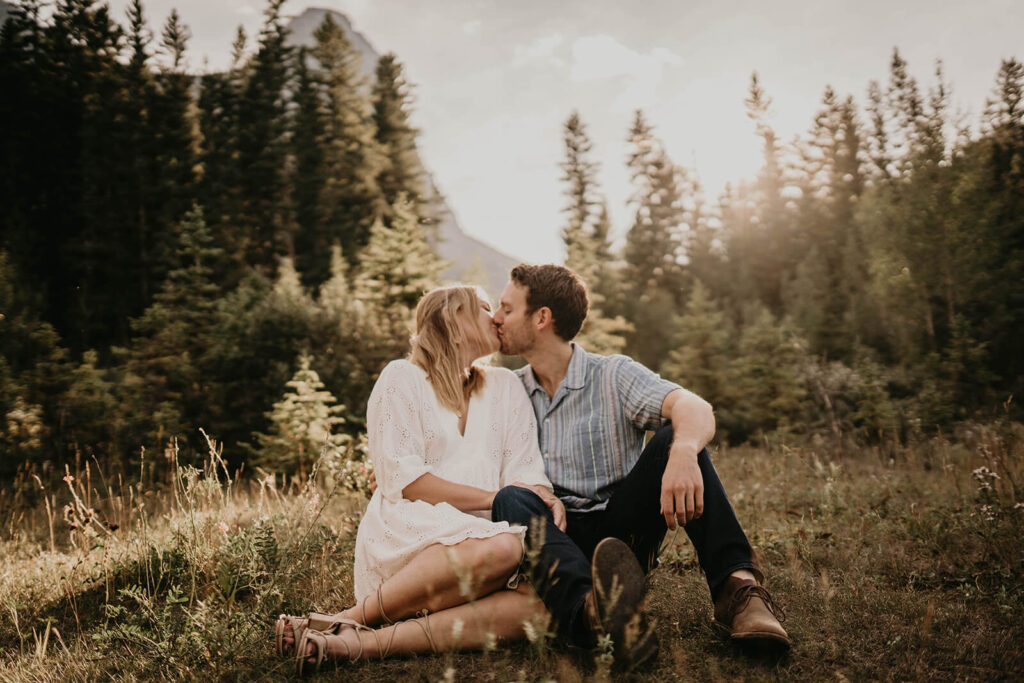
x=742, y=596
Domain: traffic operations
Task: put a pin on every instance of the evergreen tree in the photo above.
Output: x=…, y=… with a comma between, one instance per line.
x=261, y=126
x=586, y=240
x=701, y=349
x=165, y=380
x=307, y=177
x=398, y=265
x=766, y=392
x=303, y=425
x=350, y=200
x=401, y=172
x=652, y=251
x=220, y=189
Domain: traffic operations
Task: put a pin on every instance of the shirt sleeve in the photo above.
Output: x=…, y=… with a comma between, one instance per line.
x=641, y=392
x=394, y=425
x=521, y=459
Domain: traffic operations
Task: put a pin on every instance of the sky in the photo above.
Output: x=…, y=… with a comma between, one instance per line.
x=495, y=81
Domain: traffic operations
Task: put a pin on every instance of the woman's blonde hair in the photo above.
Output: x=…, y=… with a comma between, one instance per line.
x=443, y=338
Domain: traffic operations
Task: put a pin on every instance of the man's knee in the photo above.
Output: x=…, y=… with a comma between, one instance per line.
x=517, y=504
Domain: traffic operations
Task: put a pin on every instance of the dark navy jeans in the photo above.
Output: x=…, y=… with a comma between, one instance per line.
x=561, y=560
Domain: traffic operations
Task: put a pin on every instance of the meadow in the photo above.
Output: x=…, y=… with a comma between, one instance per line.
x=901, y=563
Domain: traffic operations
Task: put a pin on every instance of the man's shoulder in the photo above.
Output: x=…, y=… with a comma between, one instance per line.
x=609, y=362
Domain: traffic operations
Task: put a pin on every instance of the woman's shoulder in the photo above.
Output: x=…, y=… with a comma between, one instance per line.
x=502, y=378
x=400, y=372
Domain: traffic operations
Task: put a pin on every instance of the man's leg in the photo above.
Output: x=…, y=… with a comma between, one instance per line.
x=744, y=610
x=634, y=515
x=561, y=575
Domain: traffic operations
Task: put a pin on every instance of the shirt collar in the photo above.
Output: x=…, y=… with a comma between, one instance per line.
x=575, y=374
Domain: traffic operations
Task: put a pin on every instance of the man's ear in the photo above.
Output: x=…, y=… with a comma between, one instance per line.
x=542, y=318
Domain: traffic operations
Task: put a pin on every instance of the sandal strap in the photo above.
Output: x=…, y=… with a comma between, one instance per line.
x=380, y=608
x=424, y=623
x=328, y=623
x=319, y=641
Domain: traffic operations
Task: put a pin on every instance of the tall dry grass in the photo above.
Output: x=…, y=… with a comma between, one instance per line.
x=901, y=563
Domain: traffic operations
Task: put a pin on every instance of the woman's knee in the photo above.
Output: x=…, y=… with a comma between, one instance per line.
x=502, y=555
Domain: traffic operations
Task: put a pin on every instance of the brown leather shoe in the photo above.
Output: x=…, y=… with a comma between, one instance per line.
x=746, y=613
x=615, y=604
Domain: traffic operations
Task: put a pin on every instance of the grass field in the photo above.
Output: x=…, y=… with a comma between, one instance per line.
x=903, y=564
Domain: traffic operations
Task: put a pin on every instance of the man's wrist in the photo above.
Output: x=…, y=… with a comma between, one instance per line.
x=685, y=447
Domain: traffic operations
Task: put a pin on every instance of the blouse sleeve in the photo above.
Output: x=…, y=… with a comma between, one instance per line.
x=521, y=459
x=395, y=431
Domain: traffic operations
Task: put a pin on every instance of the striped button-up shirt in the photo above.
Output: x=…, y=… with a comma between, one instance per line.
x=592, y=430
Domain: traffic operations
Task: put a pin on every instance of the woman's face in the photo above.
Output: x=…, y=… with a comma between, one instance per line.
x=486, y=332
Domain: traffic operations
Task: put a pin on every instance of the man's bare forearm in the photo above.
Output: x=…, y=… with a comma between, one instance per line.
x=693, y=420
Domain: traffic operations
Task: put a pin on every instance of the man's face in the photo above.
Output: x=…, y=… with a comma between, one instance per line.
x=515, y=325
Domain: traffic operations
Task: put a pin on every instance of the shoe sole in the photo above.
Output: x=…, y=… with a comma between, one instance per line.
x=619, y=589
x=765, y=638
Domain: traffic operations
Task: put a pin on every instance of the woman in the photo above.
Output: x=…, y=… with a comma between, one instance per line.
x=445, y=436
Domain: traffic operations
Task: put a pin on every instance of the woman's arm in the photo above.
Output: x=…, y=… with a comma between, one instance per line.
x=433, y=489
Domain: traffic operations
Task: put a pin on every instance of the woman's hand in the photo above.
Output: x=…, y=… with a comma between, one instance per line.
x=550, y=499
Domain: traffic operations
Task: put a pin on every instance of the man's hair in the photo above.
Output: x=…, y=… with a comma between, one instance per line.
x=560, y=290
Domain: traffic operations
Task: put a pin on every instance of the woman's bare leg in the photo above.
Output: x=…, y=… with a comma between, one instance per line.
x=440, y=577
x=500, y=616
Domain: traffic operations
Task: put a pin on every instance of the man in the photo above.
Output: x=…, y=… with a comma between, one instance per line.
x=592, y=415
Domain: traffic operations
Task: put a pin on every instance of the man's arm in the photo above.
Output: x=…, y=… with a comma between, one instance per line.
x=682, y=486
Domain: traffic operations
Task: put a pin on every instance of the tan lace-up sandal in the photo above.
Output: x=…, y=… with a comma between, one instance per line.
x=330, y=624
x=304, y=664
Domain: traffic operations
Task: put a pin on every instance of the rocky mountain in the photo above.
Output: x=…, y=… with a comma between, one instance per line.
x=471, y=259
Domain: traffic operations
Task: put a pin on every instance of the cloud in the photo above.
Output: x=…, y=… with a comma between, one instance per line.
x=542, y=49
x=471, y=28
x=602, y=58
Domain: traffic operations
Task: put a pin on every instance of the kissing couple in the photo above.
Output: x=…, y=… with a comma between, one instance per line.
x=478, y=467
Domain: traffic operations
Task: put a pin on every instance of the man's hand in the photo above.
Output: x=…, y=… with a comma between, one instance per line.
x=550, y=499
x=682, y=486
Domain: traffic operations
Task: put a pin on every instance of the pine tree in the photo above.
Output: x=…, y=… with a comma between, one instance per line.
x=175, y=147
x=165, y=380
x=303, y=425
x=579, y=175
x=701, y=349
x=350, y=200
x=766, y=394
x=401, y=172
x=262, y=144
x=398, y=265
x=586, y=240
x=652, y=253
x=307, y=180
x=221, y=188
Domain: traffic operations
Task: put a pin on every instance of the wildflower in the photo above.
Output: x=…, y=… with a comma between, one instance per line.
x=269, y=480
x=68, y=479
x=222, y=527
